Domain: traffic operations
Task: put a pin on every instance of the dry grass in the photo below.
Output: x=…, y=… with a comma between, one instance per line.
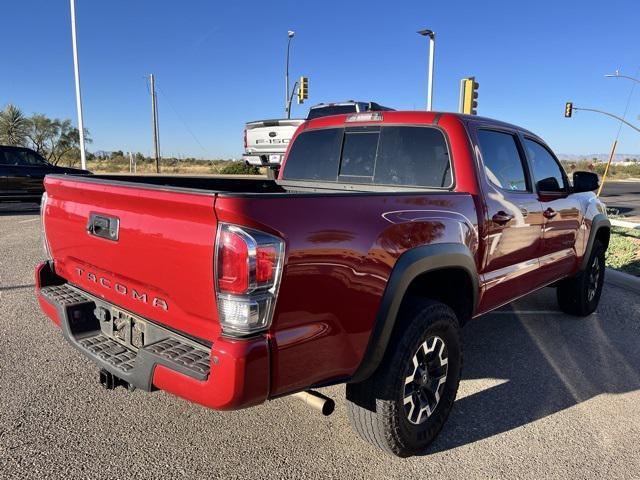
x=167, y=166
x=616, y=171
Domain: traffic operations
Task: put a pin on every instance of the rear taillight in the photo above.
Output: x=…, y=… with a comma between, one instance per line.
x=247, y=272
x=43, y=211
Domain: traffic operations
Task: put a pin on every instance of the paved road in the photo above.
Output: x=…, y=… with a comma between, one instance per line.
x=624, y=196
x=543, y=395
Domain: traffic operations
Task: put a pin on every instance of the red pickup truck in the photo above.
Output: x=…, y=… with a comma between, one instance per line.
x=384, y=234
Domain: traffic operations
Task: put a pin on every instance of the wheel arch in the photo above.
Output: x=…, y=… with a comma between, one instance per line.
x=413, y=273
x=600, y=230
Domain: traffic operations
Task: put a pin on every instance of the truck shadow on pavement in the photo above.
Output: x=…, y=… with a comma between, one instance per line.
x=520, y=367
x=17, y=208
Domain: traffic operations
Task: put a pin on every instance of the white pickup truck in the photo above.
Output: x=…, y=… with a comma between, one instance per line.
x=266, y=141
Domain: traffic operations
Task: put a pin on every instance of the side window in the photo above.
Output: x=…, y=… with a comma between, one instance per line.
x=23, y=158
x=547, y=173
x=14, y=157
x=502, y=161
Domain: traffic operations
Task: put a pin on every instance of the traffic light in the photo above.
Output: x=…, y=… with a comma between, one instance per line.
x=469, y=96
x=568, y=109
x=303, y=89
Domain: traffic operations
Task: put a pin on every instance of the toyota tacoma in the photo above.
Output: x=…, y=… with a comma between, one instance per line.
x=385, y=233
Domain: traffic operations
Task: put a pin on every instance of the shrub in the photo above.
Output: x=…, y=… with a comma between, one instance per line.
x=239, y=168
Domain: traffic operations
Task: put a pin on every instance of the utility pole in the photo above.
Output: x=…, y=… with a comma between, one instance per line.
x=154, y=120
x=432, y=52
x=76, y=71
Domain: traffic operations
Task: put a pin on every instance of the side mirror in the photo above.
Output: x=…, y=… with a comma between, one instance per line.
x=549, y=184
x=585, y=182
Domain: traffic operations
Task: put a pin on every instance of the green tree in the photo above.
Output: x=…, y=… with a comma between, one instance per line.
x=42, y=132
x=64, y=140
x=13, y=126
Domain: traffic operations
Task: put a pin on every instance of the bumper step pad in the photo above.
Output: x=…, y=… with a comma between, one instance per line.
x=110, y=351
x=189, y=357
x=82, y=329
x=63, y=294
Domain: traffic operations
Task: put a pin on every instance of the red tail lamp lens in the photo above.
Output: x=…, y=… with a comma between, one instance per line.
x=265, y=264
x=233, y=264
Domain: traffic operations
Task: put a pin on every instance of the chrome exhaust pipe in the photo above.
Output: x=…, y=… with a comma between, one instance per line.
x=316, y=400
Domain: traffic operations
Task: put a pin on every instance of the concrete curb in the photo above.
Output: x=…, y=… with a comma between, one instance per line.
x=623, y=280
x=625, y=224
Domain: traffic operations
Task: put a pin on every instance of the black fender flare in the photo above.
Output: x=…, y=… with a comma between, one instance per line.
x=411, y=264
x=598, y=222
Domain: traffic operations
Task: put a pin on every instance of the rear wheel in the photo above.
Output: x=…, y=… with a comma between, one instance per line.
x=580, y=295
x=404, y=404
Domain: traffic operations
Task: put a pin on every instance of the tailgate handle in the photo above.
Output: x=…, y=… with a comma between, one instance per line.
x=103, y=226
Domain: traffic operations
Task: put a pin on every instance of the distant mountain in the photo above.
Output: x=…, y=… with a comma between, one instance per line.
x=600, y=157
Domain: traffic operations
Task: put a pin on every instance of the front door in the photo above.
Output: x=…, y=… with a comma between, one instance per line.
x=4, y=174
x=562, y=212
x=27, y=170
x=513, y=227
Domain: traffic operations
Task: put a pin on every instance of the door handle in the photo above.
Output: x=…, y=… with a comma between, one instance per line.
x=104, y=227
x=549, y=213
x=501, y=218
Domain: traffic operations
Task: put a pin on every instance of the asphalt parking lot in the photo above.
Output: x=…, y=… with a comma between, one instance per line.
x=543, y=395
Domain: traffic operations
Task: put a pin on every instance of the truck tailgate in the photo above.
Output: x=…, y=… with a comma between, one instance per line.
x=161, y=265
x=270, y=135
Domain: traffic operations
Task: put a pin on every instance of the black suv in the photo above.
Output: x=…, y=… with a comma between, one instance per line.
x=22, y=172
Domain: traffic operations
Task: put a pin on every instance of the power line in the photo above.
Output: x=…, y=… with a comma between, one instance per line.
x=184, y=123
x=626, y=108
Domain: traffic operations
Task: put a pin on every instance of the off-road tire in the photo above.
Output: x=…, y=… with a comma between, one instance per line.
x=580, y=294
x=376, y=406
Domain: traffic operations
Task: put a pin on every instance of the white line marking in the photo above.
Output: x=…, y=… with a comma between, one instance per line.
x=526, y=312
x=30, y=220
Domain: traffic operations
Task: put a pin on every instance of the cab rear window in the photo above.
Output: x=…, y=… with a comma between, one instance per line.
x=393, y=155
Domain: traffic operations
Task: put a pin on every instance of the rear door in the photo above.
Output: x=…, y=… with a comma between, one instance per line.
x=513, y=225
x=562, y=212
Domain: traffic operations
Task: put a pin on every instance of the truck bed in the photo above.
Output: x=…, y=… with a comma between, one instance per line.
x=341, y=243
x=233, y=186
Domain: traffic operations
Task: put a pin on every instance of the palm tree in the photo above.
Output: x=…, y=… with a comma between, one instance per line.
x=13, y=126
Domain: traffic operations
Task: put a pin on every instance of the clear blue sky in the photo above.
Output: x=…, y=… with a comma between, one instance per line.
x=221, y=63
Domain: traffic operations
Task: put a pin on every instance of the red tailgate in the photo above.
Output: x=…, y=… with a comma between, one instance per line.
x=161, y=266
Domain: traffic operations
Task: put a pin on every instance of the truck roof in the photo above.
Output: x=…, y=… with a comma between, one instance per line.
x=410, y=116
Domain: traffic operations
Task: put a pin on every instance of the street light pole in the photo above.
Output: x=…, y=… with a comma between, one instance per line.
x=76, y=71
x=154, y=121
x=432, y=52
x=609, y=115
x=287, y=105
x=615, y=142
x=617, y=75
